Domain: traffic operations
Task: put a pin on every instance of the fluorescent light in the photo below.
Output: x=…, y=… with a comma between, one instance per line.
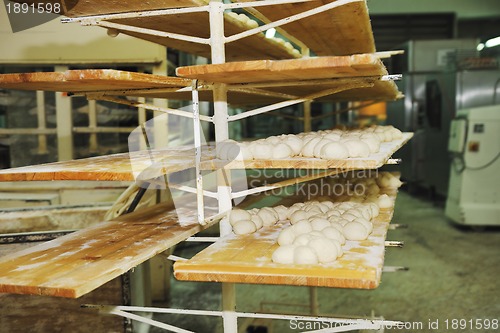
x=492, y=42
x=270, y=33
x=480, y=46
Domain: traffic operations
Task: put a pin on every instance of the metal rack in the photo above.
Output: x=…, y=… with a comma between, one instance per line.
x=217, y=44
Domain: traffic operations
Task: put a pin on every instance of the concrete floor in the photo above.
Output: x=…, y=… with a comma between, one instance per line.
x=453, y=274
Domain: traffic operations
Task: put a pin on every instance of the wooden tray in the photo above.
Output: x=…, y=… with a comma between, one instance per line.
x=75, y=264
x=387, y=149
x=360, y=65
x=247, y=259
x=89, y=80
x=148, y=165
x=340, y=31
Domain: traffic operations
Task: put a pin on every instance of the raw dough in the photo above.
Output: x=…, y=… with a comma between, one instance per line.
x=286, y=236
x=282, y=150
x=308, y=148
x=257, y=220
x=261, y=150
x=282, y=212
x=268, y=215
x=319, y=224
x=334, y=233
x=334, y=151
x=244, y=227
x=384, y=201
x=302, y=227
x=355, y=231
x=298, y=216
x=304, y=255
x=284, y=254
x=357, y=148
x=237, y=215
x=325, y=249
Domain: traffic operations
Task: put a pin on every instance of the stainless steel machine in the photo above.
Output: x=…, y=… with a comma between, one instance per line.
x=474, y=144
x=434, y=89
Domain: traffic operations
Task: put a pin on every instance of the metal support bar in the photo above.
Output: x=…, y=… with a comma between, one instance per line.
x=285, y=183
x=147, y=106
x=345, y=324
x=391, y=269
x=394, y=243
x=190, y=189
x=297, y=101
x=89, y=20
x=203, y=239
x=152, y=32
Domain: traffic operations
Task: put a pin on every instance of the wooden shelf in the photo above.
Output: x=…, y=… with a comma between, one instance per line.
x=247, y=259
x=146, y=165
x=108, y=167
x=89, y=80
x=359, y=65
x=75, y=264
x=339, y=31
x=387, y=149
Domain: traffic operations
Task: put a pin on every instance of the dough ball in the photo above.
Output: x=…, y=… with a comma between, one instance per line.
x=302, y=227
x=274, y=140
x=245, y=152
x=236, y=215
x=261, y=150
x=325, y=249
x=349, y=217
x=355, y=212
x=373, y=144
x=308, y=148
x=268, y=215
x=319, y=145
x=295, y=143
x=329, y=204
x=302, y=239
x=252, y=24
x=282, y=212
x=396, y=133
x=243, y=18
x=319, y=224
x=304, y=255
x=332, y=136
x=331, y=213
x=384, y=201
x=324, y=208
x=284, y=254
x=297, y=216
x=244, y=227
x=334, y=233
x=355, y=231
x=374, y=209
x=340, y=251
x=357, y=148
x=334, y=151
x=257, y=220
x=316, y=234
x=282, y=150
x=286, y=236
x=367, y=224
x=222, y=148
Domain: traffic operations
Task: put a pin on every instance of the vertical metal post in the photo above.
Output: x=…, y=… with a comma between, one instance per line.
x=160, y=129
x=198, y=151
x=217, y=44
x=40, y=111
x=64, y=123
x=306, y=52
x=141, y=119
x=93, y=125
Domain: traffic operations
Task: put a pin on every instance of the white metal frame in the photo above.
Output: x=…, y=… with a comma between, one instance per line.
x=221, y=119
